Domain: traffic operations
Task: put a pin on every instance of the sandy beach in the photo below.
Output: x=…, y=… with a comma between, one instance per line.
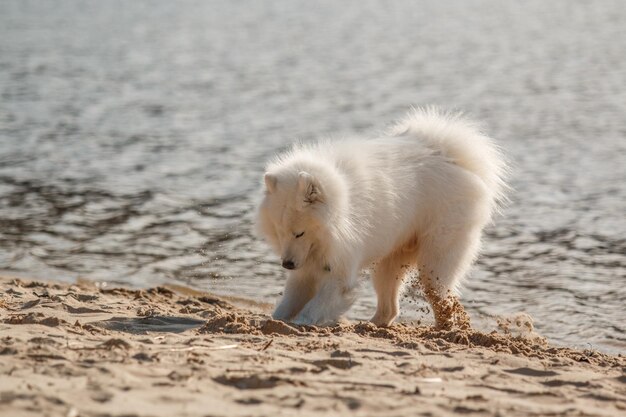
x=81, y=350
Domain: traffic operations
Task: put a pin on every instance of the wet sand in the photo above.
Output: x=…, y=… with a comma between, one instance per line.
x=80, y=350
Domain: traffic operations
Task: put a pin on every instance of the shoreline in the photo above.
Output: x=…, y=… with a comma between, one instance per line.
x=79, y=350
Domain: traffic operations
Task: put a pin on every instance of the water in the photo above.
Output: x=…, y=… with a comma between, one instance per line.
x=133, y=137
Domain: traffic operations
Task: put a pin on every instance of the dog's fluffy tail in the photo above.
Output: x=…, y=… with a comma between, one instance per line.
x=460, y=140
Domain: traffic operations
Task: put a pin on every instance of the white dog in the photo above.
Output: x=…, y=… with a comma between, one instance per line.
x=417, y=197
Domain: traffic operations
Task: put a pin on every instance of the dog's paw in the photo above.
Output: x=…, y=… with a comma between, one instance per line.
x=279, y=315
x=381, y=322
x=384, y=318
x=282, y=312
x=303, y=320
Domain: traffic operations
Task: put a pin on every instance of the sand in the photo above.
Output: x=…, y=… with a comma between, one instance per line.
x=80, y=350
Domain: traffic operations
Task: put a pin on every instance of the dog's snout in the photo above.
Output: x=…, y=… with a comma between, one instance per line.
x=288, y=264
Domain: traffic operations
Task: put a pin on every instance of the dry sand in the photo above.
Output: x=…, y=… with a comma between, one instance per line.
x=79, y=350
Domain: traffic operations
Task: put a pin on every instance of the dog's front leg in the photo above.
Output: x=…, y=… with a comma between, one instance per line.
x=334, y=298
x=299, y=289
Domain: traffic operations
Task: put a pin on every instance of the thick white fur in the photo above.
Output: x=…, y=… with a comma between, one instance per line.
x=418, y=196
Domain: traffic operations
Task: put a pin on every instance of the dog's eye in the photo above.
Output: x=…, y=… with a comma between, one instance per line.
x=299, y=235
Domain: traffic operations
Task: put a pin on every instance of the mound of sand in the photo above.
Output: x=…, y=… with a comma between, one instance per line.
x=79, y=350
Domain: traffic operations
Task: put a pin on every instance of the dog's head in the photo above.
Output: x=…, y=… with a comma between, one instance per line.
x=292, y=216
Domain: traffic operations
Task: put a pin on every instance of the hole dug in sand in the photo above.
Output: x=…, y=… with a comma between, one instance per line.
x=335, y=363
x=141, y=325
x=250, y=381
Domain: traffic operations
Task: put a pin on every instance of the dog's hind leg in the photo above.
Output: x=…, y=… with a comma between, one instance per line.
x=442, y=263
x=299, y=290
x=387, y=279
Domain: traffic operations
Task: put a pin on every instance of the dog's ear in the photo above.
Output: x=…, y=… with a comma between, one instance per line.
x=309, y=188
x=270, y=182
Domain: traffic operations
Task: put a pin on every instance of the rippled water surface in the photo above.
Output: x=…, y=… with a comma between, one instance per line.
x=133, y=136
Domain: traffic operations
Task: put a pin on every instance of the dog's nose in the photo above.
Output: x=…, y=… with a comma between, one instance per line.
x=288, y=264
